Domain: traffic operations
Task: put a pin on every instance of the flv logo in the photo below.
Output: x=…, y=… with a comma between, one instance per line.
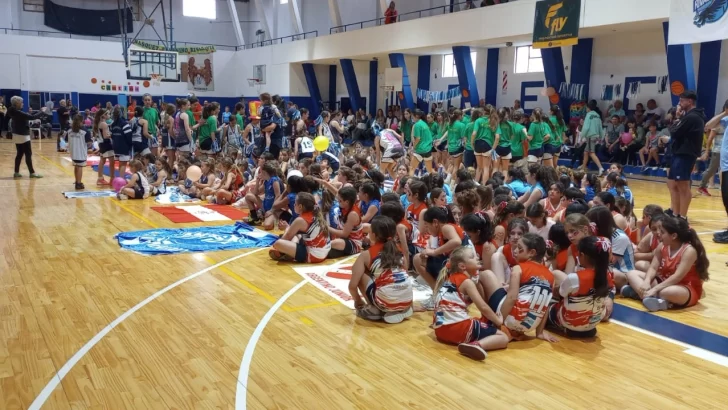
x=553, y=22
x=708, y=11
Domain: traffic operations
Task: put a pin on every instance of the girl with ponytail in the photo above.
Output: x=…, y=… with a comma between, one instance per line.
x=557, y=129
x=679, y=268
x=503, y=148
x=379, y=274
x=480, y=231
x=306, y=240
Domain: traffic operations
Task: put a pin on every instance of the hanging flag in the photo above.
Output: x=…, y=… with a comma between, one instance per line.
x=697, y=21
x=556, y=23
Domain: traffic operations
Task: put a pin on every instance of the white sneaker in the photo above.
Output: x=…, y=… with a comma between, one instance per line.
x=473, y=350
x=429, y=304
x=655, y=304
x=397, y=317
x=369, y=312
x=122, y=197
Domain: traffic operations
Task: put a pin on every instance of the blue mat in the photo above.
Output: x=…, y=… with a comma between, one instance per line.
x=89, y=194
x=199, y=239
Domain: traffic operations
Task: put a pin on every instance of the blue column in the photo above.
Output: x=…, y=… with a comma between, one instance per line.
x=397, y=61
x=332, y=87
x=25, y=95
x=680, y=69
x=373, y=68
x=313, y=89
x=347, y=68
x=553, y=67
x=491, y=77
x=708, y=76
x=423, y=79
x=581, y=62
x=74, y=99
x=466, y=73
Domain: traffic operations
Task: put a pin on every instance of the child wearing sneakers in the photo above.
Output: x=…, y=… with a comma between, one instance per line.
x=79, y=151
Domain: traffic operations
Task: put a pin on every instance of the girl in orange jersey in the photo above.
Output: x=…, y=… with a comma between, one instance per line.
x=625, y=209
x=456, y=289
x=524, y=303
x=307, y=238
x=417, y=197
x=679, y=268
x=554, y=202
x=229, y=190
x=584, y=293
x=561, y=244
x=645, y=250
x=379, y=274
x=480, y=231
x=394, y=210
x=350, y=232
x=503, y=216
x=505, y=259
x=445, y=237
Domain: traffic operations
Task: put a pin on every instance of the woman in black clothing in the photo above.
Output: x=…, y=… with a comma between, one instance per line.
x=21, y=135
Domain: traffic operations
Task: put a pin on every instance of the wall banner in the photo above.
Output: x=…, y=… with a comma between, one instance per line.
x=697, y=21
x=200, y=73
x=556, y=23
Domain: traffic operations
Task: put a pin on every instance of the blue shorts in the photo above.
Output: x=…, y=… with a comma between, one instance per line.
x=482, y=147
x=503, y=152
x=549, y=149
x=458, y=152
x=681, y=168
x=538, y=153
x=469, y=158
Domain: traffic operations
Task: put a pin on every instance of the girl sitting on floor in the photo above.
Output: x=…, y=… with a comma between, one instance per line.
x=271, y=186
x=561, y=244
x=445, y=236
x=554, y=203
x=137, y=187
x=480, y=231
x=584, y=293
x=379, y=274
x=505, y=258
x=307, y=239
x=538, y=221
x=349, y=233
x=456, y=289
x=679, y=268
x=503, y=216
x=159, y=184
x=622, y=250
x=394, y=210
x=229, y=189
x=590, y=186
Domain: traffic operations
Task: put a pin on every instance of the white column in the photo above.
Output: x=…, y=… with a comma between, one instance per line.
x=383, y=4
x=236, y=23
x=334, y=13
x=274, y=33
x=263, y=18
x=296, y=14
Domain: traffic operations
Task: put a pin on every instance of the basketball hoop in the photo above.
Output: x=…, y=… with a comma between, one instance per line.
x=254, y=82
x=156, y=79
x=387, y=88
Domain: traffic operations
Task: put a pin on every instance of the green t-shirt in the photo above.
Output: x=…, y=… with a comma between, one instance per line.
x=466, y=119
x=152, y=117
x=207, y=129
x=506, y=134
x=435, y=130
x=468, y=135
x=455, y=136
x=484, y=132
x=240, y=121
x=517, y=139
x=422, y=131
x=536, y=131
x=406, y=127
x=557, y=137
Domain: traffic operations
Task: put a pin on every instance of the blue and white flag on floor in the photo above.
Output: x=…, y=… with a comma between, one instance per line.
x=89, y=194
x=697, y=21
x=198, y=239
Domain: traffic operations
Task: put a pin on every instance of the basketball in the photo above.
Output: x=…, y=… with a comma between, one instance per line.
x=321, y=143
x=554, y=98
x=466, y=93
x=677, y=88
x=146, y=84
x=626, y=138
x=118, y=183
x=94, y=80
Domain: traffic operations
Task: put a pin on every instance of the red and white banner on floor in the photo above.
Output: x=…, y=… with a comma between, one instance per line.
x=200, y=213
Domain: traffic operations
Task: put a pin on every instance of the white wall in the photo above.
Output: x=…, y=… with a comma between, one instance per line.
x=54, y=64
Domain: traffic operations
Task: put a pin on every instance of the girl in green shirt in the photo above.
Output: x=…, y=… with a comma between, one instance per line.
x=422, y=141
x=559, y=132
x=439, y=121
x=486, y=135
x=518, y=136
x=536, y=136
x=503, y=149
x=453, y=138
x=406, y=127
x=469, y=154
x=207, y=128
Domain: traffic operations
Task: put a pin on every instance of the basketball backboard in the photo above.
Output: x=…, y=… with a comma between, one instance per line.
x=144, y=63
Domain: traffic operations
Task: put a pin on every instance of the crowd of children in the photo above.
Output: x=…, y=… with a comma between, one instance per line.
x=490, y=219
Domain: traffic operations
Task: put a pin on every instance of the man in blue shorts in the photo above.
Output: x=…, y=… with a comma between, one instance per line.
x=687, y=143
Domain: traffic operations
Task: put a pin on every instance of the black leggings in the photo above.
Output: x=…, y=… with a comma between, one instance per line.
x=24, y=149
x=724, y=190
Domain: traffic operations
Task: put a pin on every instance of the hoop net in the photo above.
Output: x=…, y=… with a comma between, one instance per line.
x=156, y=79
x=387, y=88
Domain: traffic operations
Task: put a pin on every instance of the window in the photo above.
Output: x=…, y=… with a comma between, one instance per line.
x=284, y=1
x=33, y=5
x=528, y=60
x=206, y=9
x=448, y=64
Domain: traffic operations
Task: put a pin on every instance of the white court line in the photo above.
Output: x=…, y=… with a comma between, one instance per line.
x=241, y=393
x=689, y=349
x=56, y=379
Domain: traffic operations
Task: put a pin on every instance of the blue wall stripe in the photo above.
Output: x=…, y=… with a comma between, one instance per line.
x=674, y=330
x=581, y=63
x=708, y=71
x=680, y=65
x=313, y=89
x=373, y=86
x=466, y=73
x=491, y=77
x=553, y=67
x=397, y=61
x=423, y=79
x=332, y=87
x=347, y=68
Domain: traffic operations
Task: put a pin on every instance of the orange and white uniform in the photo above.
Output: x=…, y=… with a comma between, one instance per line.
x=552, y=210
x=451, y=320
x=508, y=253
x=561, y=258
x=534, y=295
x=579, y=310
x=356, y=236
x=419, y=239
x=691, y=280
x=391, y=290
x=317, y=242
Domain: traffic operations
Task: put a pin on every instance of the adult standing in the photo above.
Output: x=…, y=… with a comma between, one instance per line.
x=687, y=143
x=714, y=147
x=63, y=119
x=51, y=105
x=3, y=112
x=21, y=136
x=722, y=120
x=653, y=113
x=592, y=132
x=390, y=15
x=517, y=107
x=152, y=116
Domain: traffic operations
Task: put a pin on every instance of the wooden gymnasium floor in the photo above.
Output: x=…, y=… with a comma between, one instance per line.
x=66, y=290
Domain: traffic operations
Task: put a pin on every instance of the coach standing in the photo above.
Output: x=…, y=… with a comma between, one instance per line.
x=686, y=137
x=722, y=119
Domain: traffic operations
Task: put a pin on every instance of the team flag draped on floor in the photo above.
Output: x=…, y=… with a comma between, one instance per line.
x=200, y=213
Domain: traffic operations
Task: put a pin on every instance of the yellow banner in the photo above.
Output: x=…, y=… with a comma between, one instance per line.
x=181, y=50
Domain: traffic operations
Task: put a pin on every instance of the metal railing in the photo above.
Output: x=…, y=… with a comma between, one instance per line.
x=412, y=15
x=279, y=40
x=59, y=34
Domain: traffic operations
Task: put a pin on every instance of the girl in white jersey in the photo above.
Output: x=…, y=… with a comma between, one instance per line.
x=103, y=135
x=388, y=147
x=304, y=147
x=138, y=185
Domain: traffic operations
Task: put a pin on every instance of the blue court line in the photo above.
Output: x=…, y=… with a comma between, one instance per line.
x=671, y=329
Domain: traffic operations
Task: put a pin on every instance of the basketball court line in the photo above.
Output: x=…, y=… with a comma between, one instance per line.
x=66, y=368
